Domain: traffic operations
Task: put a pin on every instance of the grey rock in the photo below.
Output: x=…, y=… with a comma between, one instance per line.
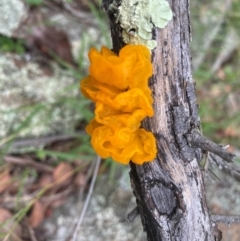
x=12, y=12
x=106, y=215
x=28, y=85
x=46, y=103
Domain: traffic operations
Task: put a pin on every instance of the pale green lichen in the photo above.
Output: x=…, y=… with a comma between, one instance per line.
x=136, y=39
x=137, y=18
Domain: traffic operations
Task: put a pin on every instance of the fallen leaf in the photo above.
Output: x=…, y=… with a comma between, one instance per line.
x=49, y=40
x=9, y=227
x=58, y=203
x=4, y=215
x=49, y=212
x=5, y=181
x=37, y=214
x=62, y=174
x=221, y=74
x=230, y=231
x=231, y=131
x=80, y=179
x=45, y=180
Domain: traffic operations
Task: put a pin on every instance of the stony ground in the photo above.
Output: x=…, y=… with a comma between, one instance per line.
x=24, y=80
x=111, y=202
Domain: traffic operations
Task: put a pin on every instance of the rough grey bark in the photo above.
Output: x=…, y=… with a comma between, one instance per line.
x=170, y=191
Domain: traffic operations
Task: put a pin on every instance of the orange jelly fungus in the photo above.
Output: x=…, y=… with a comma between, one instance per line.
x=119, y=87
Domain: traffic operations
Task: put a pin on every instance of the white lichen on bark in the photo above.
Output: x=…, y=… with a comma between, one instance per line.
x=137, y=18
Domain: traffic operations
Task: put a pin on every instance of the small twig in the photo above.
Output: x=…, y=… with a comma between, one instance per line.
x=58, y=196
x=28, y=162
x=198, y=140
x=215, y=175
x=9, y=202
x=88, y=176
x=51, y=5
x=48, y=200
x=133, y=214
x=80, y=220
x=11, y=234
x=211, y=36
x=206, y=163
x=41, y=141
x=80, y=196
x=225, y=219
x=86, y=17
x=207, y=169
x=30, y=231
x=229, y=168
x=229, y=46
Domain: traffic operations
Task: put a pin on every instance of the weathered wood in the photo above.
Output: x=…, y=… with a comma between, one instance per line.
x=196, y=139
x=169, y=191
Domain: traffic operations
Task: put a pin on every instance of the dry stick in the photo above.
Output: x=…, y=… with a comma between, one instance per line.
x=233, y=170
x=35, y=142
x=80, y=196
x=83, y=16
x=58, y=196
x=10, y=202
x=11, y=235
x=229, y=46
x=133, y=214
x=87, y=199
x=30, y=231
x=225, y=219
x=40, y=193
x=212, y=36
x=28, y=162
x=79, y=14
x=51, y=5
x=88, y=176
x=197, y=140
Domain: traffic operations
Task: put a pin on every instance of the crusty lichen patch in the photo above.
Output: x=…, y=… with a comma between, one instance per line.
x=29, y=95
x=11, y=14
x=137, y=18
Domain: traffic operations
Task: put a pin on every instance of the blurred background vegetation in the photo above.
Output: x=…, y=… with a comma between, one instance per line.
x=43, y=115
